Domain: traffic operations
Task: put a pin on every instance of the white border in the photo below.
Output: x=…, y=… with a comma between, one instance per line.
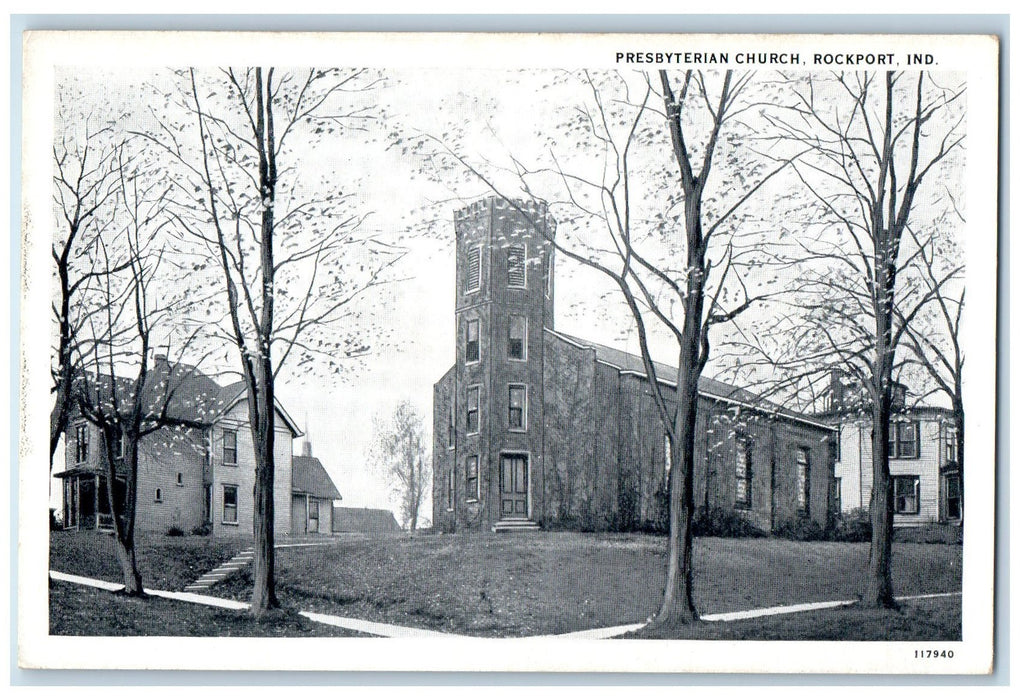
x=975, y=54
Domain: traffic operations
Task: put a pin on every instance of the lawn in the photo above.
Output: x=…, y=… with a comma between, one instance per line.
x=82, y=611
x=555, y=582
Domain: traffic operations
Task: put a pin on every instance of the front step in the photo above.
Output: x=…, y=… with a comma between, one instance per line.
x=515, y=526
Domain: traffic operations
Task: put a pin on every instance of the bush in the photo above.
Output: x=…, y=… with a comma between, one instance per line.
x=202, y=530
x=175, y=531
x=801, y=529
x=854, y=526
x=721, y=522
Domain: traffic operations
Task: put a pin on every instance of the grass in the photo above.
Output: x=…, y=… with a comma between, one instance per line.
x=82, y=611
x=165, y=563
x=556, y=582
x=550, y=583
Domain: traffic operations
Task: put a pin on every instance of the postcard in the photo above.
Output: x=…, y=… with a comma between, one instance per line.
x=508, y=352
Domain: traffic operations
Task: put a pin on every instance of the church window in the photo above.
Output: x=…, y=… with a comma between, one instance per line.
x=472, y=349
x=517, y=342
x=472, y=409
x=803, y=481
x=516, y=266
x=471, y=480
x=744, y=449
x=518, y=407
x=474, y=270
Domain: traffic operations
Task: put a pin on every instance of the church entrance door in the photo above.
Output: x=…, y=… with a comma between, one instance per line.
x=513, y=486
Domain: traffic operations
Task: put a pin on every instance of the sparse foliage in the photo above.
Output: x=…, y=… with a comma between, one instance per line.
x=401, y=453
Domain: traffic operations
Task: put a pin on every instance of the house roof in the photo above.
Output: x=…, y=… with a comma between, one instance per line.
x=708, y=387
x=310, y=477
x=347, y=519
x=191, y=396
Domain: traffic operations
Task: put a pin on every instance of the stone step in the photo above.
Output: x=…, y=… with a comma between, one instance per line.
x=515, y=526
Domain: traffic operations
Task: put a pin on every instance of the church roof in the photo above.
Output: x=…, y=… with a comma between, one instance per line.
x=708, y=387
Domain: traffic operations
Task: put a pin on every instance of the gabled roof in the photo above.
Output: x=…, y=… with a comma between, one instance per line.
x=194, y=397
x=310, y=477
x=709, y=388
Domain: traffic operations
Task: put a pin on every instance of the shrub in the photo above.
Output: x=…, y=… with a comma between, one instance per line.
x=721, y=522
x=853, y=526
x=202, y=530
x=175, y=531
x=801, y=529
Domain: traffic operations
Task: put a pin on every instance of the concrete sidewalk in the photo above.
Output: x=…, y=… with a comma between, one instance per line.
x=380, y=629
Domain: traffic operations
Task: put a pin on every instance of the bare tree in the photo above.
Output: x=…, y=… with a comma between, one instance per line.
x=874, y=139
x=286, y=242
x=84, y=181
x=400, y=451
x=664, y=208
x=117, y=389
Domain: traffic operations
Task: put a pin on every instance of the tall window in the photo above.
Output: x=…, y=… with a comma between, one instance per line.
x=471, y=478
x=518, y=419
x=903, y=440
x=229, y=504
x=950, y=444
x=744, y=449
x=474, y=270
x=230, y=447
x=81, y=443
x=450, y=425
x=954, y=504
x=907, y=494
x=516, y=274
x=472, y=350
x=803, y=481
x=472, y=409
x=118, y=443
x=517, y=342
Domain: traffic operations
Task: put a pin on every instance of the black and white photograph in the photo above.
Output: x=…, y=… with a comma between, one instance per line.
x=504, y=352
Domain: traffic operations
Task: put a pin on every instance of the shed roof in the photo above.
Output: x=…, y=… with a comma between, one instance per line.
x=310, y=477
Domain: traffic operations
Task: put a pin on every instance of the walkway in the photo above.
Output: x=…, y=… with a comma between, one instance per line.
x=397, y=631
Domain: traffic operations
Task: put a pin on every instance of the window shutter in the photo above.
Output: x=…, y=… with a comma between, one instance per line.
x=515, y=266
x=474, y=269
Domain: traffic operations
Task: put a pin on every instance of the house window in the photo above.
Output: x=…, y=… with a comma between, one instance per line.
x=803, y=481
x=471, y=478
x=158, y=496
x=907, y=494
x=472, y=351
x=950, y=444
x=903, y=440
x=744, y=449
x=230, y=504
x=81, y=443
x=118, y=443
x=180, y=479
x=518, y=418
x=516, y=274
x=472, y=409
x=474, y=270
x=449, y=489
x=230, y=447
x=517, y=341
x=954, y=504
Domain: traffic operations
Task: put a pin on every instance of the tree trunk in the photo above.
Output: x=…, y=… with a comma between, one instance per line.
x=263, y=595
x=879, y=590
x=124, y=522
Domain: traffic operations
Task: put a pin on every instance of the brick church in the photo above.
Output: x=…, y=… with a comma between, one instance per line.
x=535, y=428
